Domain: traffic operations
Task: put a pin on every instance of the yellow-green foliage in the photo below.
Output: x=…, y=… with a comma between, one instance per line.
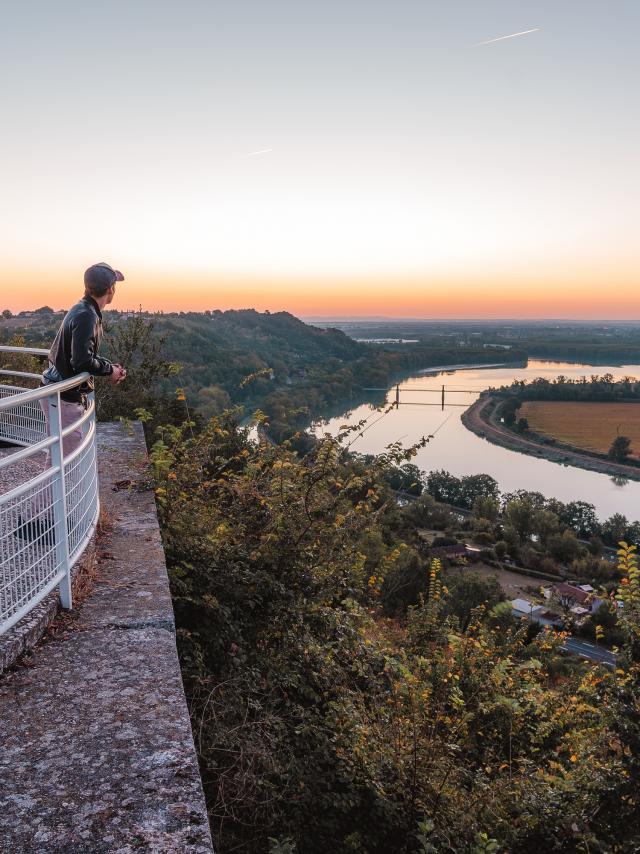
x=629, y=591
x=321, y=725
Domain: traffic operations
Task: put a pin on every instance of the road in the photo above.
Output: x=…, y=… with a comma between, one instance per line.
x=584, y=649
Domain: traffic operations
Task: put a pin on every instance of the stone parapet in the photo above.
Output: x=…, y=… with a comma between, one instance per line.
x=96, y=749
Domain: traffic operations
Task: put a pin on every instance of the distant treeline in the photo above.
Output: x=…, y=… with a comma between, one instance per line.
x=533, y=508
x=292, y=371
x=536, y=513
x=597, y=343
x=591, y=388
x=597, y=352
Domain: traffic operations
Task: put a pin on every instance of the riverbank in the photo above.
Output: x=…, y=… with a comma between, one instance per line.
x=438, y=369
x=480, y=419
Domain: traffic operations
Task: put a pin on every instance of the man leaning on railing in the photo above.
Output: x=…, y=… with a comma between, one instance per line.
x=75, y=349
x=74, y=352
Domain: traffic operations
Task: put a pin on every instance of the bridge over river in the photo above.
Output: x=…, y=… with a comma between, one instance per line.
x=422, y=411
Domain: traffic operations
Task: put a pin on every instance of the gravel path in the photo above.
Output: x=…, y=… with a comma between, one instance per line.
x=14, y=475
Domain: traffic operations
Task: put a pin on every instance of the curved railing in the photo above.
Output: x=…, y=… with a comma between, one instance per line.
x=49, y=501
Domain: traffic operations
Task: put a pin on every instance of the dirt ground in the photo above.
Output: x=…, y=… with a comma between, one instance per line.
x=513, y=584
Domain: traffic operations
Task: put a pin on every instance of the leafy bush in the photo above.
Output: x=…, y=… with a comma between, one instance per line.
x=321, y=726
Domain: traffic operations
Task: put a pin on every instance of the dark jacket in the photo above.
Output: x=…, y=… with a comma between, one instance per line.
x=75, y=349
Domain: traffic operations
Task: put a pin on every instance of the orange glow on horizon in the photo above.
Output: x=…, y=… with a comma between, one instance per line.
x=307, y=296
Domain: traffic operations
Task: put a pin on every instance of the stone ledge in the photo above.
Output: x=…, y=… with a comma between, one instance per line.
x=98, y=753
x=25, y=635
x=96, y=749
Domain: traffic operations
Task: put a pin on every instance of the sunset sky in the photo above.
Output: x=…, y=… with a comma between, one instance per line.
x=334, y=158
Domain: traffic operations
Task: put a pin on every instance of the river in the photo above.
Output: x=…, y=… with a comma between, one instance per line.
x=461, y=452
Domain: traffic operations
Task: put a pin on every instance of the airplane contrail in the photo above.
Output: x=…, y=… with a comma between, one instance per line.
x=261, y=151
x=512, y=36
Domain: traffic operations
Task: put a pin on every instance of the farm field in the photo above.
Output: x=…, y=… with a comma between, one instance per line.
x=592, y=426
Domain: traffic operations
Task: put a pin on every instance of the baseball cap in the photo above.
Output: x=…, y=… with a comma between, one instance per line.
x=102, y=276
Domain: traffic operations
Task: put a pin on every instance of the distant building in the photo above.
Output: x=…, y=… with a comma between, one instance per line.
x=549, y=618
x=574, y=597
x=535, y=613
x=523, y=607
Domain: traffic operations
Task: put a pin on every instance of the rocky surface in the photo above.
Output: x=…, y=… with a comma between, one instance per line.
x=96, y=749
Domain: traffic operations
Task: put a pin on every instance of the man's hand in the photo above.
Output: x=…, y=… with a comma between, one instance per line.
x=118, y=374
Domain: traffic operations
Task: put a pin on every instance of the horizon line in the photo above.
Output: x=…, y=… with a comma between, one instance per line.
x=521, y=319
x=364, y=318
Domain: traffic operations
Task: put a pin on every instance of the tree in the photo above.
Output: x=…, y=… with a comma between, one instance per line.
x=132, y=342
x=461, y=492
x=486, y=508
x=444, y=486
x=405, y=478
x=404, y=578
x=501, y=548
x=213, y=400
x=535, y=499
x=629, y=595
x=467, y=590
x=475, y=486
x=426, y=512
x=633, y=533
x=522, y=425
x=620, y=449
x=519, y=514
x=507, y=410
x=596, y=546
x=545, y=523
x=606, y=617
x=564, y=547
x=614, y=529
x=7, y=314
x=581, y=516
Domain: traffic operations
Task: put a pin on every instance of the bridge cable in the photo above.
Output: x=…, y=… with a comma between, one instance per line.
x=387, y=411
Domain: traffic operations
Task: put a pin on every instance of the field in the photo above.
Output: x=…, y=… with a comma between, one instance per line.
x=592, y=426
x=514, y=585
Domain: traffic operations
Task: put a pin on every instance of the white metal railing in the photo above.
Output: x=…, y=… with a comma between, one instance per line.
x=49, y=501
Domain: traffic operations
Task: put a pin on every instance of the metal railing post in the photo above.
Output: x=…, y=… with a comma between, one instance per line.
x=91, y=404
x=60, y=500
x=47, y=521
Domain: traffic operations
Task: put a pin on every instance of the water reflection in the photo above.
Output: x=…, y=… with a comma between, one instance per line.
x=620, y=480
x=461, y=452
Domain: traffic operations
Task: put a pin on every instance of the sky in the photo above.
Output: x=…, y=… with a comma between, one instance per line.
x=337, y=158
